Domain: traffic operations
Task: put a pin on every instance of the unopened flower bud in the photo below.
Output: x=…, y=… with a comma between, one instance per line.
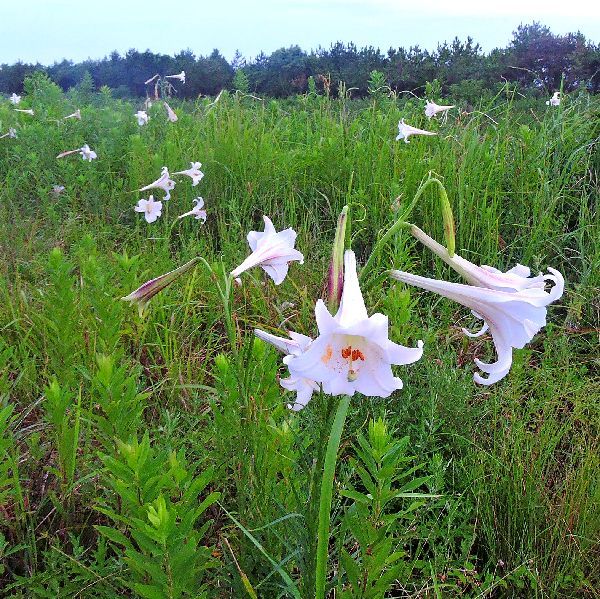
x=335, y=281
x=142, y=295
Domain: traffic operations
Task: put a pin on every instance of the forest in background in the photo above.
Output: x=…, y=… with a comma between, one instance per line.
x=537, y=60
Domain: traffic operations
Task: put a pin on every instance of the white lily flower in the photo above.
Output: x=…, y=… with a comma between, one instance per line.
x=164, y=182
x=193, y=172
x=404, y=131
x=142, y=117
x=515, y=279
x=57, y=190
x=513, y=317
x=87, y=153
x=272, y=251
x=295, y=346
x=150, y=80
x=196, y=211
x=180, y=76
x=151, y=209
x=554, y=100
x=170, y=114
x=15, y=99
x=12, y=133
x=353, y=352
x=25, y=110
x=431, y=109
x=75, y=115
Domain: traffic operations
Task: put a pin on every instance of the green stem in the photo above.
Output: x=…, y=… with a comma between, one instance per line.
x=399, y=224
x=326, y=496
x=402, y=224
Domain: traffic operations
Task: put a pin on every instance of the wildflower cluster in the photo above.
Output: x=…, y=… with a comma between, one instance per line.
x=152, y=209
x=352, y=351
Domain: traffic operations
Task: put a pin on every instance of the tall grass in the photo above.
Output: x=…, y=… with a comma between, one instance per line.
x=119, y=433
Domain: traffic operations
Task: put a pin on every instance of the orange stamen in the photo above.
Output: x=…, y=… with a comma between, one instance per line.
x=357, y=355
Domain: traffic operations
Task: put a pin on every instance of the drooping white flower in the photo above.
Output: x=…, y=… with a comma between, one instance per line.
x=295, y=346
x=554, y=100
x=431, y=109
x=24, y=110
x=142, y=117
x=517, y=278
x=405, y=131
x=512, y=317
x=87, y=153
x=164, y=182
x=150, y=80
x=352, y=352
x=151, y=209
x=197, y=211
x=170, y=114
x=12, y=133
x=75, y=115
x=15, y=99
x=180, y=76
x=193, y=172
x=272, y=251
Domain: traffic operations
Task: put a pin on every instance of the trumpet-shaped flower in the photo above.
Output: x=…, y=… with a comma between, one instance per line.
x=352, y=352
x=405, y=131
x=87, y=153
x=197, y=211
x=151, y=209
x=193, y=172
x=142, y=295
x=515, y=279
x=431, y=109
x=15, y=99
x=272, y=251
x=164, y=182
x=170, y=113
x=151, y=79
x=554, y=100
x=294, y=346
x=180, y=76
x=24, y=110
x=75, y=115
x=512, y=317
x=142, y=117
x=12, y=133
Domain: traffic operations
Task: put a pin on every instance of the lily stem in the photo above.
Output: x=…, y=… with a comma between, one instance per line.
x=326, y=496
x=401, y=223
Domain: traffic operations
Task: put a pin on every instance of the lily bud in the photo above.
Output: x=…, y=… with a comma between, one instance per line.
x=335, y=280
x=448, y=218
x=142, y=295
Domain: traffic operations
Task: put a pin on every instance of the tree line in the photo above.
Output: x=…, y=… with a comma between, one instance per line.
x=537, y=60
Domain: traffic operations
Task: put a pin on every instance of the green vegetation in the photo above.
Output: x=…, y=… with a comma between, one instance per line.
x=155, y=457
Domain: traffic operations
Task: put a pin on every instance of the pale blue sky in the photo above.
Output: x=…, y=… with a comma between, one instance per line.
x=49, y=30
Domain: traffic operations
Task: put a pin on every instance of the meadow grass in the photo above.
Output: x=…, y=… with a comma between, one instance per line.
x=155, y=456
